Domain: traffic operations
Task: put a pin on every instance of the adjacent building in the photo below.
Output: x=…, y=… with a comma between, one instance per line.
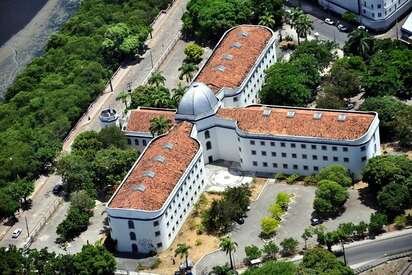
x=378, y=15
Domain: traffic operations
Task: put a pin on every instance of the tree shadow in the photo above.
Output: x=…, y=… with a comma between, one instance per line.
x=26, y=205
x=368, y=198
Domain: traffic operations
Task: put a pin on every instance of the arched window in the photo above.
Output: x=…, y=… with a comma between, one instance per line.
x=208, y=145
x=207, y=134
x=134, y=248
x=132, y=236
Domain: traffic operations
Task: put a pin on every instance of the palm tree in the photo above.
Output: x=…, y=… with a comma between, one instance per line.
x=124, y=98
x=308, y=233
x=228, y=246
x=360, y=43
x=183, y=250
x=303, y=26
x=159, y=125
x=267, y=20
x=221, y=270
x=178, y=92
x=294, y=15
x=187, y=71
x=156, y=79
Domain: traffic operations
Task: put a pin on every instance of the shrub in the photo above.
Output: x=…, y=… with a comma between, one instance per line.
x=400, y=221
x=198, y=242
x=269, y=226
x=283, y=200
x=310, y=180
x=280, y=176
x=252, y=252
x=292, y=178
x=335, y=172
x=193, y=53
x=376, y=223
x=289, y=246
x=329, y=199
x=276, y=211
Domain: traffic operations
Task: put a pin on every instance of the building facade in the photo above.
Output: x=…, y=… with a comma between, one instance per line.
x=378, y=15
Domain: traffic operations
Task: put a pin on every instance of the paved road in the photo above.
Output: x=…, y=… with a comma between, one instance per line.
x=370, y=251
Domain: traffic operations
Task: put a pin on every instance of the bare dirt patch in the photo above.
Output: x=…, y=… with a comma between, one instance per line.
x=393, y=148
x=256, y=187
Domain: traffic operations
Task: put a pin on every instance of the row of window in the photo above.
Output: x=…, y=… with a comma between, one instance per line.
x=302, y=145
x=294, y=156
x=136, y=142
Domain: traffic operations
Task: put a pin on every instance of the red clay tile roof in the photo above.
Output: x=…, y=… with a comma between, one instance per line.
x=166, y=174
x=252, y=120
x=242, y=59
x=139, y=120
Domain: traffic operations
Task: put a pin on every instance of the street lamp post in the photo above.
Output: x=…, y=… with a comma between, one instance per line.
x=344, y=254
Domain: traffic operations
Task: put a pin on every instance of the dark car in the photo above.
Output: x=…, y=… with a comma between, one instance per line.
x=57, y=189
x=240, y=220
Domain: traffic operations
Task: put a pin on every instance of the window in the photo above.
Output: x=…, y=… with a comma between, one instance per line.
x=156, y=223
x=263, y=153
x=305, y=167
x=324, y=148
x=282, y=144
x=325, y=158
x=208, y=145
x=132, y=236
x=273, y=154
x=293, y=145
x=379, y=14
x=253, y=152
x=334, y=148
x=285, y=166
x=144, y=142
x=363, y=148
x=283, y=155
x=379, y=6
x=159, y=245
x=275, y=165
x=346, y=159
x=335, y=159
x=315, y=168
x=240, y=149
x=157, y=233
x=303, y=146
x=345, y=149
x=314, y=157
x=210, y=159
x=313, y=147
x=373, y=14
x=304, y=156
x=363, y=158
x=129, y=141
x=294, y=156
x=235, y=99
x=272, y=143
x=262, y=143
x=136, y=142
x=131, y=224
x=255, y=163
x=295, y=166
x=207, y=134
x=252, y=142
x=265, y=164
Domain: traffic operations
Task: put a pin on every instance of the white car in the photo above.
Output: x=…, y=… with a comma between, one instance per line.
x=16, y=233
x=363, y=28
x=329, y=21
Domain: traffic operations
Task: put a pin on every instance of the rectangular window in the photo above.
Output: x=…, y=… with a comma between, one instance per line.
x=252, y=142
x=363, y=158
x=144, y=142
x=273, y=154
x=313, y=147
x=294, y=156
x=272, y=143
x=255, y=163
x=304, y=156
x=235, y=99
x=129, y=141
x=263, y=153
x=262, y=143
x=253, y=152
x=346, y=159
x=305, y=167
x=285, y=166
x=240, y=149
x=265, y=164
x=275, y=165
x=283, y=155
x=303, y=146
x=136, y=142
x=363, y=148
x=345, y=149
x=293, y=145
x=282, y=144
x=324, y=148
x=159, y=245
x=156, y=223
x=295, y=166
x=325, y=158
x=334, y=148
x=130, y=224
x=335, y=159
x=315, y=168
x=314, y=157
x=157, y=233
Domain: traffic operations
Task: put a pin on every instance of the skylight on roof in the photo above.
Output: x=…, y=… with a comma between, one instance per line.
x=290, y=114
x=138, y=187
x=220, y=68
x=317, y=115
x=159, y=158
x=168, y=145
x=149, y=173
x=244, y=34
x=341, y=117
x=228, y=57
x=236, y=45
x=267, y=111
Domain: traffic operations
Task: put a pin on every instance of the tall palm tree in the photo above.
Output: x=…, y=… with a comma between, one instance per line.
x=294, y=15
x=303, y=26
x=187, y=71
x=159, y=125
x=183, y=251
x=178, y=93
x=228, y=246
x=156, y=79
x=360, y=43
x=267, y=20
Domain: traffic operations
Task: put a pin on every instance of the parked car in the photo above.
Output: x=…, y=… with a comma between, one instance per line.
x=329, y=21
x=362, y=27
x=240, y=220
x=315, y=221
x=16, y=233
x=342, y=28
x=57, y=189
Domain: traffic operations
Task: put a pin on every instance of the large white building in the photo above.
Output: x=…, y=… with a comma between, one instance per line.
x=151, y=204
x=375, y=14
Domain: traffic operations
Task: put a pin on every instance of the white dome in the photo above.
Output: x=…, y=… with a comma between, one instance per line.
x=198, y=100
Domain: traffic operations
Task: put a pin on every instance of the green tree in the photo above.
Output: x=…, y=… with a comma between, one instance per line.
x=193, y=53
x=178, y=93
x=183, y=251
x=124, y=98
x=321, y=51
x=228, y=246
x=361, y=229
x=82, y=200
x=20, y=190
x=267, y=20
x=112, y=136
x=156, y=79
x=159, y=125
x=252, y=252
x=276, y=211
x=94, y=259
x=400, y=221
x=77, y=172
x=303, y=26
x=404, y=127
x=329, y=100
x=268, y=225
x=350, y=17
x=8, y=206
x=337, y=173
x=273, y=267
x=87, y=144
x=330, y=198
x=376, y=223
x=289, y=246
x=270, y=249
x=320, y=261
x=283, y=200
x=360, y=43
x=394, y=198
x=187, y=71
x=222, y=270
x=308, y=233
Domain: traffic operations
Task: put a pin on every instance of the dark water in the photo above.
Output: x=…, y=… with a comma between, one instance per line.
x=15, y=14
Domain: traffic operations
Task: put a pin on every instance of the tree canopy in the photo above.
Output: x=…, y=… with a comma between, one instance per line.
x=330, y=198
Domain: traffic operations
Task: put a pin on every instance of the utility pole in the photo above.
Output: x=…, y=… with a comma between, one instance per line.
x=111, y=85
x=344, y=254
x=27, y=227
x=397, y=29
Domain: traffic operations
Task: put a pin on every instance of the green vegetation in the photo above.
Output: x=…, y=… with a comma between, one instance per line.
x=228, y=246
x=183, y=251
x=321, y=261
x=93, y=259
x=300, y=22
x=289, y=247
x=233, y=206
x=193, y=53
x=330, y=198
x=268, y=226
x=376, y=223
x=274, y=268
x=77, y=219
x=159, y=125
x=56, y=88
x=350, y=17
x=337, y=173
x=252, y=252
x=294, y=83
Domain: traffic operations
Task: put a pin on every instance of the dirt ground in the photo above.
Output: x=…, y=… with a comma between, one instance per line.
x=391, y=148
x=200, y=244
x=257, y=186
x=392, y=267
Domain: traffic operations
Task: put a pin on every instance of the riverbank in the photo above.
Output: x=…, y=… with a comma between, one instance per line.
x=28, y=43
